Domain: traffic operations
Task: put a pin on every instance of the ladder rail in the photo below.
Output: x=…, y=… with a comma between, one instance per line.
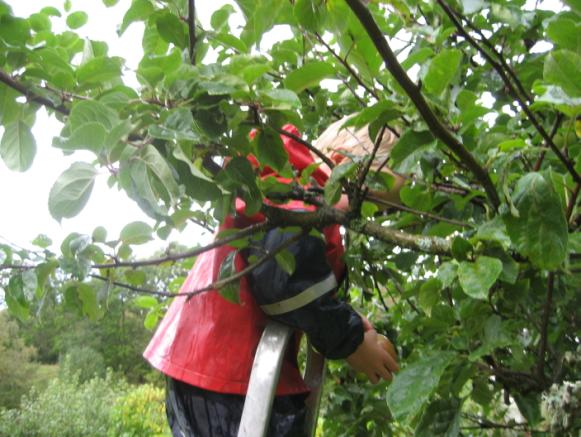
x=264, y=380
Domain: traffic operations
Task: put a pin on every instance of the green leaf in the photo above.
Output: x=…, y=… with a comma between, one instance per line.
x=88, y=111
x=89, y=136
x=42, y=240
x=15, y=298
x=40, y=22
x=240, y=172
x=140, y=10
x=417, y=57
x=461, y=248
x=510, y=145
x=145, y=302
x=77, y=19
x=99, y=70
x=231, y=41
x=408, y=148
x=286, y=260
x=14, y=31
x=447, y=273
x=136, y=233
x=441, y=419
x=441, y=70
x=575, y=5
x=477, y=278
x=18, y=146
x=566, y=33
x=151, y=319
x=310, y=14
x=333, y=187
x=412, y=387
x=562, y=68
x=231, y=291
x=270, y=150
x=308, y=75
x=110, y=3
x=280, y=99
x=71, y=191
x=158, y=166
x=541, y=232
x=171, y=29
x=220, y=17
x=9, y=108
x=429, y=294
x=99, y=234
x=88, y=297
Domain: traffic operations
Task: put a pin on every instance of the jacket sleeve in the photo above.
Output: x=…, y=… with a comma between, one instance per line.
x=304, y=299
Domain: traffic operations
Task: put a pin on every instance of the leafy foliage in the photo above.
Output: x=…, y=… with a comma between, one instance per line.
x=477, y=269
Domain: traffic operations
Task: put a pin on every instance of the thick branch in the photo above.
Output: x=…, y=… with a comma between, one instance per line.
x=192, y=30
x=325, y=216
x=499, y=69
x=414, y=93
x=30, y=95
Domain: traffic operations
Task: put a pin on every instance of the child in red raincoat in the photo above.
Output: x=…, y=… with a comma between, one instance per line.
x=206, y=345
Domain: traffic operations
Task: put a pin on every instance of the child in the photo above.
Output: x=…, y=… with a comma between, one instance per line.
x=206, y=345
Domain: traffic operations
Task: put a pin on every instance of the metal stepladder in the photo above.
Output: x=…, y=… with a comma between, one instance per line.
x=264, y=379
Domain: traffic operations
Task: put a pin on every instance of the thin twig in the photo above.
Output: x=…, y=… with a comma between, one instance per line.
x=250, y=230
x=359, y=192
x=348, y=67
x=499, y=69
x=418, y=212
x=414, y=93
x=192, y=30
x=308, y=145
x=572, y=202
x=216, y=285
x=545, y=326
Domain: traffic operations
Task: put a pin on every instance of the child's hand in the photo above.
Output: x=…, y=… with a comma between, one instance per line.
x=372, y=359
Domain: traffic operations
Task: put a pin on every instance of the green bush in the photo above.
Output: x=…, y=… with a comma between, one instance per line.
x=67, y=408
x=140, y=412
x=85, y=361
x=16, y=365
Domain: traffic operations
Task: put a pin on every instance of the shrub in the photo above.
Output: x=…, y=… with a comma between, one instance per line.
x=84, y=361
x=140, y=412
x=67, y=408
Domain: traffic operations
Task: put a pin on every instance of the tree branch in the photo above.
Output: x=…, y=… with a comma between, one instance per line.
x=192, y=30
x=572, y=202
x=498, y=67
x=216, y=285
x=250, y=230
x=414, y=93
x=30, y=95
x=348, y=67
x=545, y=326
x=326, y=215
x=308, y=145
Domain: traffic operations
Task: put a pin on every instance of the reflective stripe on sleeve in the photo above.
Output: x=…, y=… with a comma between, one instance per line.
x=303, y=298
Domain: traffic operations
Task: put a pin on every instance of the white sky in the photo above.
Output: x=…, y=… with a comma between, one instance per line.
x=24, y=196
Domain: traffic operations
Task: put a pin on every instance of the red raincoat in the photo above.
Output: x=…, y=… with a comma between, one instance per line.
x=209, y=342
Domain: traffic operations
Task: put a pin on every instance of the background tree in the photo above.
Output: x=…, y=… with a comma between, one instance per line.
x=478, y=269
